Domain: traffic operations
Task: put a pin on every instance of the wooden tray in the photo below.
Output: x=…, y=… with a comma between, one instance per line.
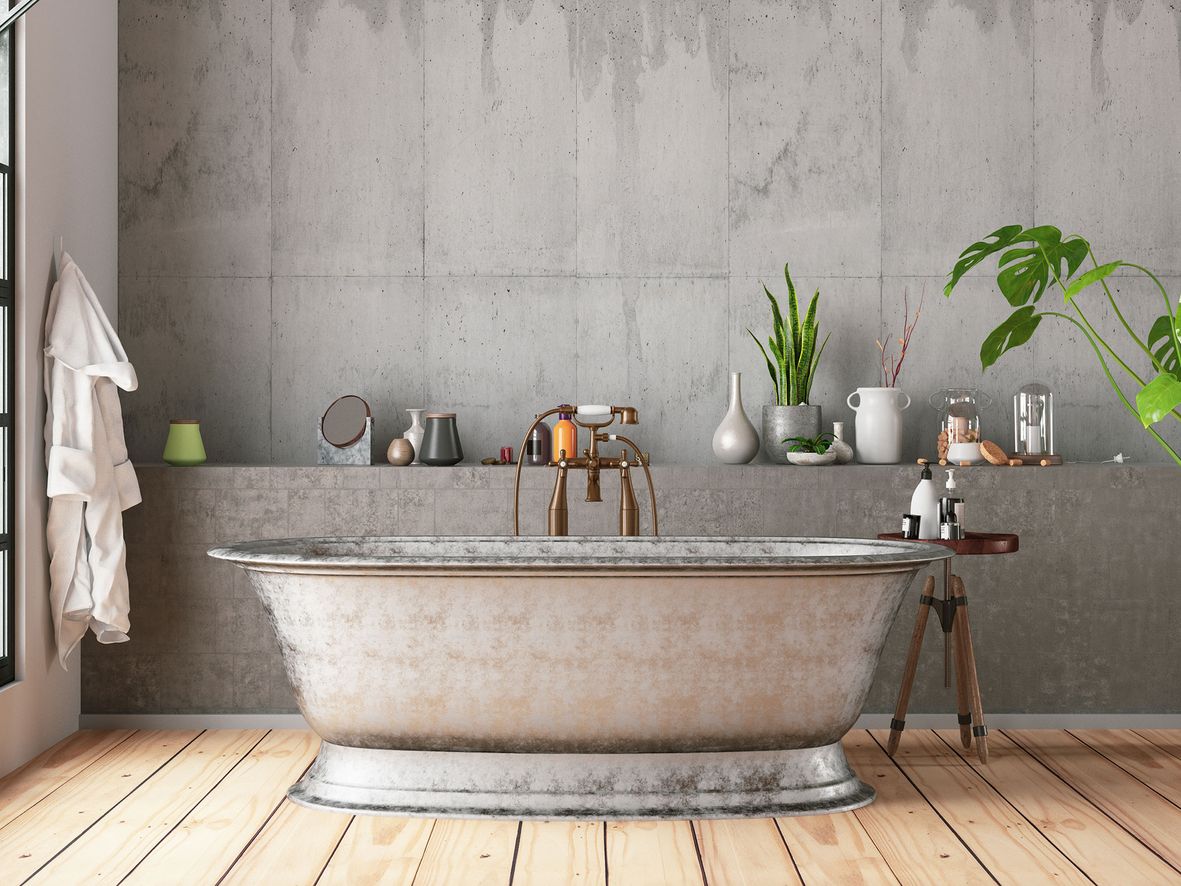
x=971, y=543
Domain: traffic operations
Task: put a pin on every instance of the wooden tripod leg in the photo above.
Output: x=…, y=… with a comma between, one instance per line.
x=961, y=685
x=964, y=635
x=912, y=665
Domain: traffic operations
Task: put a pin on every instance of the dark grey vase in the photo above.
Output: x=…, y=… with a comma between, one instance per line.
x=440, y=443
x=780, y=422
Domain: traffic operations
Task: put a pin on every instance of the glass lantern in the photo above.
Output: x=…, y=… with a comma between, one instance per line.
x=960, y=432
x=1033, y=420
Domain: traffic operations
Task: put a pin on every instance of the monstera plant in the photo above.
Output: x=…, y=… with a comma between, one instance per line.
x=1036, y=260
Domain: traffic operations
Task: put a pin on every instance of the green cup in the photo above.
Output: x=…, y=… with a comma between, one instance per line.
x=184, y=447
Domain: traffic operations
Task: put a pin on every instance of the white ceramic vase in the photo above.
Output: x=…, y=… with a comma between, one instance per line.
x=843, y=450
x=879, y=424
x=736, y=441
x=415, y=432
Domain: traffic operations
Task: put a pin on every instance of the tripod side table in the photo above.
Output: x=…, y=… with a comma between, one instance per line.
x=952, y=609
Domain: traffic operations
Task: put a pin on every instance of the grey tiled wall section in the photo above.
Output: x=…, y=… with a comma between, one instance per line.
x=1083, y=619
x=494, y=206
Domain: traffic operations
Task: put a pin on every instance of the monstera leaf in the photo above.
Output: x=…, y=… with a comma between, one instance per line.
x=1026, y=272
x=1092, y=276
x=1158, y=398
x=1001, y=238
x=1014, y=332
x=1161, y=342
x=1032, y=258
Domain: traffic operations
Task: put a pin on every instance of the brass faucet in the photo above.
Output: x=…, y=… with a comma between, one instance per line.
x=594, y=420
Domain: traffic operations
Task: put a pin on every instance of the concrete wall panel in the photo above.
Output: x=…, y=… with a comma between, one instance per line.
x=500, y=136
x=652, y=137
x=347, y=150
x=1109, y=126
x=805, y=137
x=194, y=138
x=957, y=149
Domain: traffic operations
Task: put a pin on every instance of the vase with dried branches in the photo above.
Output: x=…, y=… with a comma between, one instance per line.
x=879, y=410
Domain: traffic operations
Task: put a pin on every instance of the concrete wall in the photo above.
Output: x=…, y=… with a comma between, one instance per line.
x=495, y=206
x=1082, y=620
x=66, y=175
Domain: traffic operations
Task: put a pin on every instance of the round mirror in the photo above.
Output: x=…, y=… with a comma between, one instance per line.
x=343, y=423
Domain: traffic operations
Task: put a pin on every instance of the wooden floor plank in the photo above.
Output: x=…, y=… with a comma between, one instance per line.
x=1154, y=766
x=208, y=840
x=916, y=843
x=1101, y=848
x=1168, y=740
x=744, y=852
x=834, y=849
x=34, y=837
x=117, y=843
x=468, y=853
x=192, y=805
x=292, y=848
x=651, y=852
x=1150, y=817
x=1010, y=847
x=49, y=770
x=560, y=852
x=379, y=851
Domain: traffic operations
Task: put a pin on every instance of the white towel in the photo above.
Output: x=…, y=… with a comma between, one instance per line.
x=90, y=480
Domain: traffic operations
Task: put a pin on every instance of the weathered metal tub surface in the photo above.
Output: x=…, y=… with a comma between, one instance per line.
x=581, y=677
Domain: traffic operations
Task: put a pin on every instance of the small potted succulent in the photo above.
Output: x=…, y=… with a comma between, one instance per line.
x=791, y=362
x=811, y=451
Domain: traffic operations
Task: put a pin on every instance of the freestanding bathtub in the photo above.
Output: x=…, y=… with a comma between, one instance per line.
x=581, y=677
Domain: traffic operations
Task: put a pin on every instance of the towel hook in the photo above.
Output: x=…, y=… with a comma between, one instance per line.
x=59, y=249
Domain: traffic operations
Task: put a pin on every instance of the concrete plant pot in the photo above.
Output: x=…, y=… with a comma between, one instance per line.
x=780, y=422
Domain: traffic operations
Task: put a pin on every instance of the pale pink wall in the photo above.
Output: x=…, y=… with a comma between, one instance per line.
x=67, y=76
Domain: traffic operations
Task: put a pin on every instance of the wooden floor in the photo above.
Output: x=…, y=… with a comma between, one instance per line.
x=209, y=807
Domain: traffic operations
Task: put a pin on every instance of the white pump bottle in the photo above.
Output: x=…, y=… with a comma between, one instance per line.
x=924, y=504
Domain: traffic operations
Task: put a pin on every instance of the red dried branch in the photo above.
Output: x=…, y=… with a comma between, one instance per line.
x=891, y=370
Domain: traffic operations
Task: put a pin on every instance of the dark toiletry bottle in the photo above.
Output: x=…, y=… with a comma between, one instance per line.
x=537, y=449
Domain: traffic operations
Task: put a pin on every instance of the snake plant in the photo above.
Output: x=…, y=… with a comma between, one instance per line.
x=793, y=346
x=1033, y=259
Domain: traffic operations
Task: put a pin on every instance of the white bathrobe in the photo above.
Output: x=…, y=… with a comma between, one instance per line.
x=90, y=480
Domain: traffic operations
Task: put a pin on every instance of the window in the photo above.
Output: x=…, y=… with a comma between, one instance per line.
x=7, y=362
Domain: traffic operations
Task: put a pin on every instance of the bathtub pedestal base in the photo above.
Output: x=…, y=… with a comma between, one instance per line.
x=450, y=784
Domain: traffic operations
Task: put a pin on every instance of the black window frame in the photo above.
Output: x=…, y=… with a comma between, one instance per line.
x=7, y=421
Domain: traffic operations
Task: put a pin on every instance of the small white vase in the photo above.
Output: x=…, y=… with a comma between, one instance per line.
x=843, y=450
x=879, y=424
x=736, y=441
x=415, y=432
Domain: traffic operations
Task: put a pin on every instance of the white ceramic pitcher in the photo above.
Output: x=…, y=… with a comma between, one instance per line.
x=879, y=424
